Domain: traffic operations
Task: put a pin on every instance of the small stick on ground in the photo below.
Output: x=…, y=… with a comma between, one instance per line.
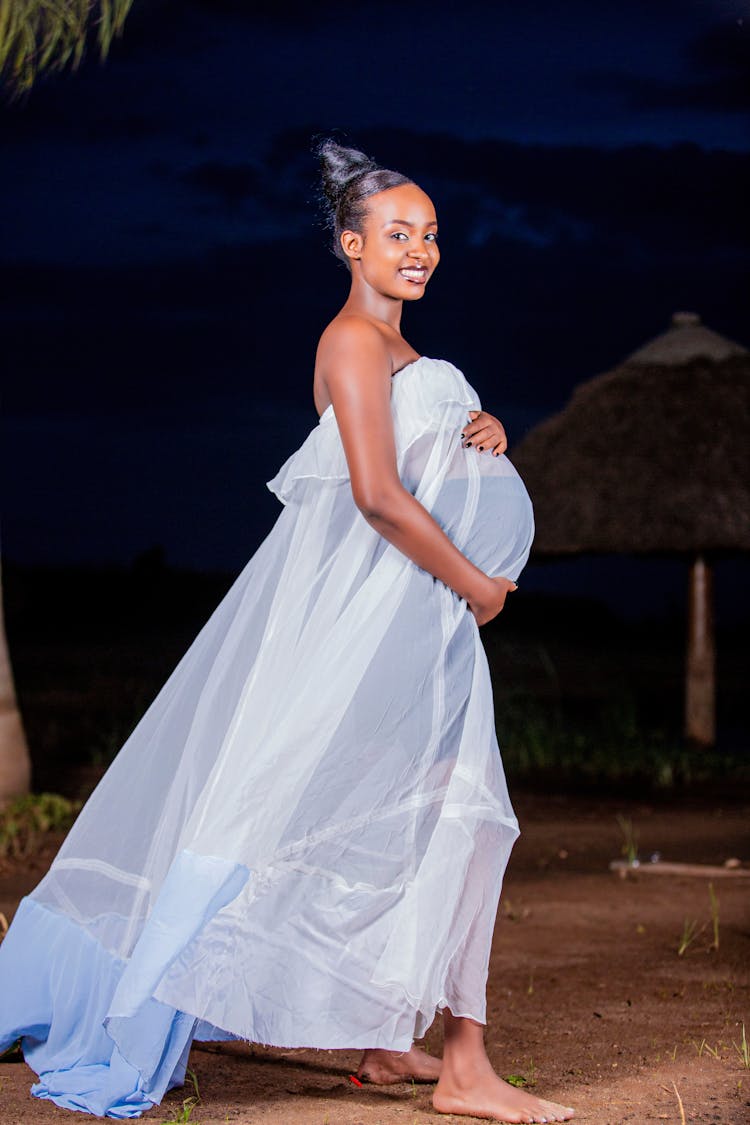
x=714, y=916
x=705, y=870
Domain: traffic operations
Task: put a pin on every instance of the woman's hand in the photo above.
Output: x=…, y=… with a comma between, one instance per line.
x=489, y=602
x=484, y=432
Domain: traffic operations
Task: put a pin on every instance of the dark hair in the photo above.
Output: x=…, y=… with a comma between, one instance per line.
x=349, y=178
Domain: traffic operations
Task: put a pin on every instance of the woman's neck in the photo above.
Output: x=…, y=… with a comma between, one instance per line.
x=367, y=302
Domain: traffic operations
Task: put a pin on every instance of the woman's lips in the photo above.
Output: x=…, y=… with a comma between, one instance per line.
x=415, y=274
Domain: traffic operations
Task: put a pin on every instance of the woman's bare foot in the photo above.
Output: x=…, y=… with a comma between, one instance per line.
x=384, y=1068
x=468, y=1085
x=489, y=1097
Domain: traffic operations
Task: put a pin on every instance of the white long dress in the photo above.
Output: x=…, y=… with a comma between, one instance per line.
x=303, y=840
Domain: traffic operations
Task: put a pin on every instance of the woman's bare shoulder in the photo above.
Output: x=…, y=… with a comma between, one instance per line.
x=349, y=338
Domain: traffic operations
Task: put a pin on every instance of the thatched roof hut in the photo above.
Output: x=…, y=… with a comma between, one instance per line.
x=652, y=457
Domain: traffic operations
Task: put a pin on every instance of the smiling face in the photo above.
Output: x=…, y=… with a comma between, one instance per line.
x=397, y=251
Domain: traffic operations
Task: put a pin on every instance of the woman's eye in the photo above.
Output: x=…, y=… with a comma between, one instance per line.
x=432, y=236
x=399, y=234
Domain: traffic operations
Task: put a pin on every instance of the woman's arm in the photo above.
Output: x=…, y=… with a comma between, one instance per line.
x=355, y=364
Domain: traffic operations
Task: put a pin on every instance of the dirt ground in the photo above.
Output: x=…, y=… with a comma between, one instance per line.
x=588, y=998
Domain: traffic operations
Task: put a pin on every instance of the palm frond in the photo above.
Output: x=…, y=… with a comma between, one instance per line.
x=44, y=36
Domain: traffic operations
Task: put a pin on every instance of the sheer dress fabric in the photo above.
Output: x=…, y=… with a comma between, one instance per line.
x=303, y=840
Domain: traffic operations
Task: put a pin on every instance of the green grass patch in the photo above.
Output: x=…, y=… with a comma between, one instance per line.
x=25, y=821
x=606, y=745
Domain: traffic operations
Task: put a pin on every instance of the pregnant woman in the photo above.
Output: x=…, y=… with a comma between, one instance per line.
x=303, y=840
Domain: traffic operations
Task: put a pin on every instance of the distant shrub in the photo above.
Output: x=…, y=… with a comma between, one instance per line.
x=605, y=746
x=25, y=821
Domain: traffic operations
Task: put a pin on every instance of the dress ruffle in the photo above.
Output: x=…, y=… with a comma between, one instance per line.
x=419, y=407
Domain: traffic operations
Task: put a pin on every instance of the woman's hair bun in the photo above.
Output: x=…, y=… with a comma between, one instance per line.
x=339, y=166
x=348, y=179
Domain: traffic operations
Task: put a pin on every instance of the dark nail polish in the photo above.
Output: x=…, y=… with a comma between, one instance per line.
x=481, y=448
x=468, y=444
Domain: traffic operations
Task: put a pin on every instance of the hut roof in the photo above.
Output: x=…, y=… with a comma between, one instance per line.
x=651, y=457
x=686, y=339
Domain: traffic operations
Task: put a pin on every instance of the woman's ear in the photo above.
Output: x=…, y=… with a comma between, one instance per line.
x=351, y=244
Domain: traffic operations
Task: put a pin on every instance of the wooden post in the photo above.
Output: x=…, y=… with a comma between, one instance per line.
x=700, y=682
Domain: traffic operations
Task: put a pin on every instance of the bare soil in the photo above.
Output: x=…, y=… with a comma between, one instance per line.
x=588, y=998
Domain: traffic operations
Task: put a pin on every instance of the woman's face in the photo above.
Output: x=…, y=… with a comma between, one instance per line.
x=397, y=250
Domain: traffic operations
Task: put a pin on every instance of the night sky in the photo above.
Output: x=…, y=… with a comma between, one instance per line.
x=165, y=276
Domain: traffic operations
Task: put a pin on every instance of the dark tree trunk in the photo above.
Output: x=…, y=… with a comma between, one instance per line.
x=15, y=764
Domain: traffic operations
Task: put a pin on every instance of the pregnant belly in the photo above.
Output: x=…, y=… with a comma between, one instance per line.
x=479, y=500
x=497, y=536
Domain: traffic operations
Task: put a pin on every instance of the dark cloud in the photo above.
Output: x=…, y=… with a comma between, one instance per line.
x=48, y=115
x=280, y=13
x=729, y=93
x=232, y=184
x=722, y=49
x=276, y=187
x=717, y=78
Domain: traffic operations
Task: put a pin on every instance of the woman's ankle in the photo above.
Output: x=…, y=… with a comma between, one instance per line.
x=463, y=1069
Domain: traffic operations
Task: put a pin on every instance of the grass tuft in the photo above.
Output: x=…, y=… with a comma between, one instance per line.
x=689, y=933
x=743, y=1049
x=703, y=1046
x=184, y=1115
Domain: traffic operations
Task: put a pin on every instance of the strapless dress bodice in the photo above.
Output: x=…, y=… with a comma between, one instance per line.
x=478, y=499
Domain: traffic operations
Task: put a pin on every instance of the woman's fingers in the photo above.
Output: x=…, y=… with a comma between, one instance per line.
x=477, y=433
x=484, y=438
x=484, y=432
